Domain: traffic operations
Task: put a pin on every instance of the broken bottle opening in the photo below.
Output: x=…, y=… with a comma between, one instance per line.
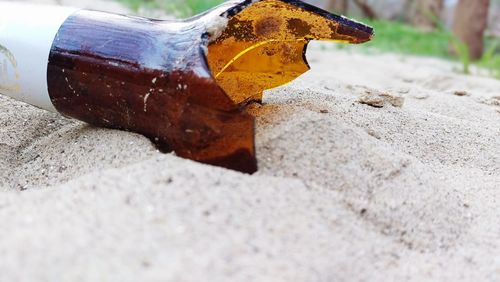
x=183, y=84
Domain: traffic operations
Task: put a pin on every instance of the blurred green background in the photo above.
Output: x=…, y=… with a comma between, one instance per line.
x=467, y=31
x=183, y=8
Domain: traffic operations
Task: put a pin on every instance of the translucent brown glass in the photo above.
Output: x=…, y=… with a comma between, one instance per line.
x=181, y=85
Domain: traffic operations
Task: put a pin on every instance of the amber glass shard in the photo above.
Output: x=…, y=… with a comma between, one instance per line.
x=279, y=62
x=264, y=45
x=152, y=77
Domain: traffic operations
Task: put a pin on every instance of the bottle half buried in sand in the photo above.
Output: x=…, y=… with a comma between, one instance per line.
x=183, y=84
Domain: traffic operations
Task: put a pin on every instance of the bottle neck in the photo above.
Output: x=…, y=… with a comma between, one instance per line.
x=148, y=77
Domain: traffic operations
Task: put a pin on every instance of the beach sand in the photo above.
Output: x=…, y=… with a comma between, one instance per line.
x=372, y=168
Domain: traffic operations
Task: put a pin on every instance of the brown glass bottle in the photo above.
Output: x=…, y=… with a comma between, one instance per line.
x=184, y=84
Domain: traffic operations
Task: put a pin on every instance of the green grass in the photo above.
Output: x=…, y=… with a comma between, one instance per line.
x=183, y=8
x=136, y=4
x=401, y=38
x=198, y=6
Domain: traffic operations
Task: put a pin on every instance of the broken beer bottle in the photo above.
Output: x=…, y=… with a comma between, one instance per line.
x=183, y=84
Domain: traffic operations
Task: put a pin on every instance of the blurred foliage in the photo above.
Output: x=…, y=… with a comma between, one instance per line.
x=397, y=37
x=197, y=6
x=182, y=8
x=402, y=38
x=491, y=59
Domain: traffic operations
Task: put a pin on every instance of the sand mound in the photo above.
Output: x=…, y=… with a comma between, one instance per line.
x=347, y=189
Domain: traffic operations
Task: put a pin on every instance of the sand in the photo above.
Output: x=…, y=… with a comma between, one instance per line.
x=372, y=168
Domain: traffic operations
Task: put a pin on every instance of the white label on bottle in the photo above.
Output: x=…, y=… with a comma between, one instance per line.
x=26, y=36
